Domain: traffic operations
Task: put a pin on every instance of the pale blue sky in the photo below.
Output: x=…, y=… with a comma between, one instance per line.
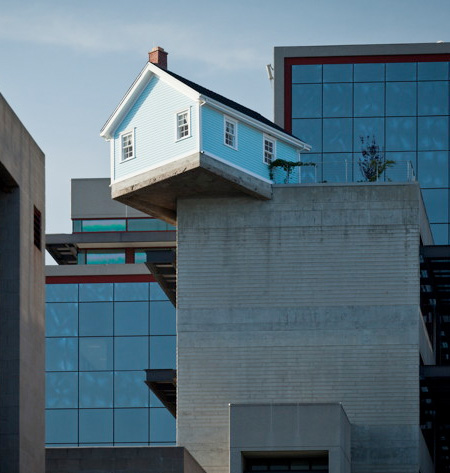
x=65, y=65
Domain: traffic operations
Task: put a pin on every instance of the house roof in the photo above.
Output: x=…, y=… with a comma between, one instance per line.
x=229, y=103
x=192, y=89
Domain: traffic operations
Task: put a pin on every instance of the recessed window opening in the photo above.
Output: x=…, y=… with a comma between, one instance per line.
x=183, y=125
x=37, y=227
x=317, y=462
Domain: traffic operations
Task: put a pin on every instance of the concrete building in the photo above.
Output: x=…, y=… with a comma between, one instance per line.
x=107, y=320
x=21, y=297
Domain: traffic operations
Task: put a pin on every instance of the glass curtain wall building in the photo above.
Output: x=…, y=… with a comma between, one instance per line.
x=106, y=322
x=397, y=98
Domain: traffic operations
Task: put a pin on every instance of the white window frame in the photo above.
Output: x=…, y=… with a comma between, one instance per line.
x=274, y=148
x=133, y=145
x=235, y=135
x=188, y=112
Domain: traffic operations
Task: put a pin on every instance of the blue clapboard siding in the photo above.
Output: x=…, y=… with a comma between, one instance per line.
x=249, y=154
x=153, y=117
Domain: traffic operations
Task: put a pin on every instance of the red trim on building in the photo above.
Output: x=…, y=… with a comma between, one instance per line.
x=296, y=61
x=99, y=279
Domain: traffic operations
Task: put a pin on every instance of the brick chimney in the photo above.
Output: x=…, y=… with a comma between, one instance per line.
x=158, y=56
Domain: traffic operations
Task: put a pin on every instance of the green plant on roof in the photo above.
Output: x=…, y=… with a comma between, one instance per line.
x=372, y=162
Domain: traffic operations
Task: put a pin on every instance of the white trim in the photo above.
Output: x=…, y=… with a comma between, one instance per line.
x=112, y=163
x=156, y=165
x=256, y=124
x=133, y=144
x=228, y=119
x=188, y=111
x=272, y=140
x=235, y=166
x=136, y=89
x=199, y=125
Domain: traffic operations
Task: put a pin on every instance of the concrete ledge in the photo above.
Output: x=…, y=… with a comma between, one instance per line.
x=121, y=460
x=156, y=192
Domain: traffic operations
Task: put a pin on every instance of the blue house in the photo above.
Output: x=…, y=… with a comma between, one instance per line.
x=170, y=138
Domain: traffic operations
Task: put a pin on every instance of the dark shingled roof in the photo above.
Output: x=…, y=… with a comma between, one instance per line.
x=229, y=103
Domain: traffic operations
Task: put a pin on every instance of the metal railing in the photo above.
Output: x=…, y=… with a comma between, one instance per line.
x=345, y=170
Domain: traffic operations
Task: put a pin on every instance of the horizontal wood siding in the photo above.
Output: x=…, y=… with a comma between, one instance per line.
x=153, y=117
x=249, y=153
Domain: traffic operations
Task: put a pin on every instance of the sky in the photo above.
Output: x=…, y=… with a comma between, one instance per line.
x=65, y=65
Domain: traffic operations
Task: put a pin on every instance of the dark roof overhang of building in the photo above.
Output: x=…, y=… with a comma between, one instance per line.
x=163, y=383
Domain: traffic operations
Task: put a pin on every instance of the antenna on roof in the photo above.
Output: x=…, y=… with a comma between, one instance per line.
x=269, y=70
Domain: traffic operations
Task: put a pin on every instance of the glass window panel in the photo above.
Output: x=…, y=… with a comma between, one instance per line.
x=369, y=72
x=156, y=293
x=311, y=174
x=306, y=101
x=162, y=426
x=368, y=127
x=338, y=72
x=433, y=98
x=440, y=233
x=146, y=224
x=433, y=169
x=61, y=390
x=162, y=318
x=131, y=353
x=131, y=425
x=96, y=318
x=163, y=352
x=400, y=134
x=76, y=226
x=404, y=161
x=61, y=426
x=140, y=256
x=105, y=257
x=337, y=100
x=401, y=71
x=154, y=401
x=436, y=203
x=432, y=133
x=131, y=291
x=369, y=100
x=337, y=167
x=96, y=425
x=130, y=389
x=337, y=134
x=96, y=354
x=131, y=318
x=61, y=354
x=96, y=292
x=114, y=225
x=401, y=99
x=81, y=257
x=310, y=131
x=61, y=292
x=61, y=319
x=96, y=389
x=433, y=70
x=307, y=73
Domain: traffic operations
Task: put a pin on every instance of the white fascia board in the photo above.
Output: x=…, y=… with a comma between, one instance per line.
x=135, y=91
x=256, y=124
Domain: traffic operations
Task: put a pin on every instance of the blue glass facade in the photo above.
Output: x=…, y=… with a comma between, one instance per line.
x=100, y=338
x=403, y=106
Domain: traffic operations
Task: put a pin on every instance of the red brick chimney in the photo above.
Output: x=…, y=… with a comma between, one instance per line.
x=158, y=56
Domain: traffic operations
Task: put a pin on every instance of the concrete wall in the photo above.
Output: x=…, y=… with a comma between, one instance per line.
x=21, y=299
x=120, y=460
x=310, y=297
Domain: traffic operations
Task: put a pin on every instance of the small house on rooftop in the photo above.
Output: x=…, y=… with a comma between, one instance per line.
x=173, y=138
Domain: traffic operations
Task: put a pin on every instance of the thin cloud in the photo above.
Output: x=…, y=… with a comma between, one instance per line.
x=190, y=43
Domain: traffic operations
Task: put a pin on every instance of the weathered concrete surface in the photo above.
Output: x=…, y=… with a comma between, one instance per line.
x=287, y=428
x=311, y=297
x=120, y=460
x=156, y=191
x=21, y=299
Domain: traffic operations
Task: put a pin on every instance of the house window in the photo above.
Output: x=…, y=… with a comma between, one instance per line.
x=183, y=125
x=127, y=140
x=230, y=132
x=269, y=150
